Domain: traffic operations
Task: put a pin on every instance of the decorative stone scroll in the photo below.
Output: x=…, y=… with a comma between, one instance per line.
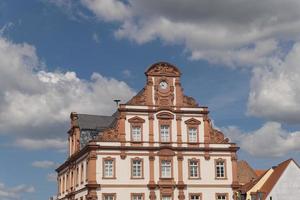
x=139, y=99
x=217, y=136
x=189, y=101
x=109, y=135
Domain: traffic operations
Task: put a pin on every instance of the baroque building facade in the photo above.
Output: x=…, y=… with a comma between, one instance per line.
x=160, y=145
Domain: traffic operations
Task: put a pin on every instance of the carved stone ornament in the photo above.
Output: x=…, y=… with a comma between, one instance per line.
x=163, y=69
x=109, y=135
x=189, y=101
x=192, y=121
x=218, y=137
x=136, y=120
x=139, y=99
x=165, y=115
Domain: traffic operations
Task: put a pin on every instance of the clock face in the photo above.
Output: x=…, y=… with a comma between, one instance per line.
x=163, y=85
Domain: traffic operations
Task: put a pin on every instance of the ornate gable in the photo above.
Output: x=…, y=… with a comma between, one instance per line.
x=163, y=69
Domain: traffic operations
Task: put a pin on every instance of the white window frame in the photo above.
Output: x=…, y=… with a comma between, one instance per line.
x=221, y=197
x=194, y=168
x=166, y=169
x=109, y=170
x=165, y=133
x=220, y=169
x=137, y=168
x=137, y=197
x=136, y=133
x=193, y=134
x=165, y=197
x=109, y=197
x=195, y=197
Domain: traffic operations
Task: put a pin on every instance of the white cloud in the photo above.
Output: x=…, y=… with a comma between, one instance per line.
x=108, y=10
x=269, y=140
x=36, y=144
x=230, y=32
x=44, y=164
x=275, y=89
x=35, y=103
x=52, y=177
x=96, y=38
x=14, y=193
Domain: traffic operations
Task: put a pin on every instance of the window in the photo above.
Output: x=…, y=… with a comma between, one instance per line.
x=136, y=132
x=81, y=173
x=195, y=197
x=164, y=133
x=194, y=168
x=137, y=197
x=77, y=175
x=108, y=168
x=192, y=134
x=166, y=198
x=166, y=169
x=221, y=197
x=137, y=168
x=109, y=197
x=220, y=168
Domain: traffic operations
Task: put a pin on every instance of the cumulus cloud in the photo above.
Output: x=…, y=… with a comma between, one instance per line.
x=44, y=164
x=230, y=32
x=35, y=103
x=269, y=140
x=275, y=89
x=108, y=10
x=14, y=193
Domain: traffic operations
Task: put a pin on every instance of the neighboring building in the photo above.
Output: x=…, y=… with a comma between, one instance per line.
x=159, y=145
x=281, y=182
x=245, y=173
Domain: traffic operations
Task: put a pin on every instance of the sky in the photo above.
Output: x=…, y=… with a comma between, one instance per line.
x=238, y=57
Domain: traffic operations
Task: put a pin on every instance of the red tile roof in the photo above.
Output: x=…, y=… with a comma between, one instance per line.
x=274, y=177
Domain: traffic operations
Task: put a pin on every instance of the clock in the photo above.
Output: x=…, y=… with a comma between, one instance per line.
x=163, y=85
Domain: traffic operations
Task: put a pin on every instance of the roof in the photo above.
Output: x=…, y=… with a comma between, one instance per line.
x=259, y=172
x=272, y=180
x=95, y=122
x=245, y=172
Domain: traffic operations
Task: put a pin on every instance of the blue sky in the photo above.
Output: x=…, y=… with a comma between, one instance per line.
x=58, y=56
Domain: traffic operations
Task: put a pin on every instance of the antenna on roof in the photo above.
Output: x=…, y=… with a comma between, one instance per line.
x=117, y=101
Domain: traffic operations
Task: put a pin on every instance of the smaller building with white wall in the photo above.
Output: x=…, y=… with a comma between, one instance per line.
x=281, y=182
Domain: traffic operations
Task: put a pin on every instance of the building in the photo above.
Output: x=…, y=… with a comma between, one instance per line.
x=281, y=182
x=159, y=145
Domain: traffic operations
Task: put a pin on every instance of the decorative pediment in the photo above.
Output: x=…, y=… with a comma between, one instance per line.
x=136, y=120
x=192, y=121
x=165, y=115
x=166, y=152
x=217, y=136
x=163, y=69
